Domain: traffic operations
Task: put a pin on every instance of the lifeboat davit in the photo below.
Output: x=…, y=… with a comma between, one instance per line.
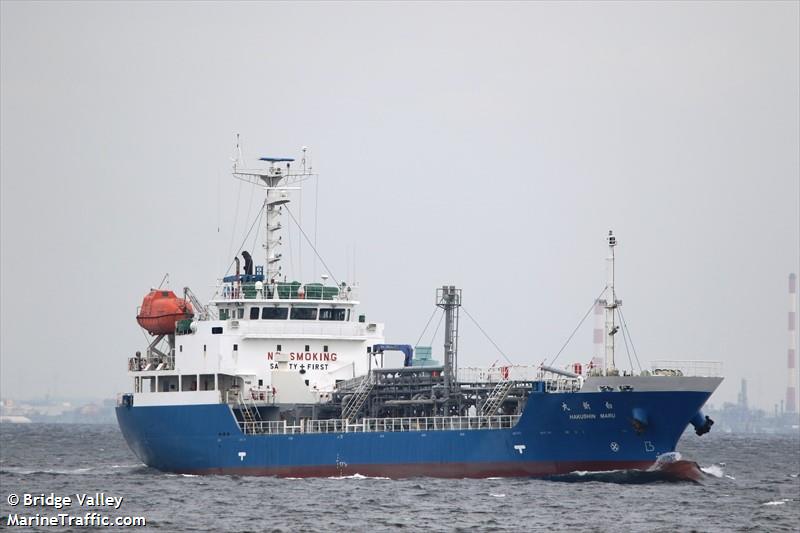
x=161, y=310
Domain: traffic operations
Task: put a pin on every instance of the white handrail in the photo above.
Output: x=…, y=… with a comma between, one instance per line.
x=382, y=425
x=687, y=368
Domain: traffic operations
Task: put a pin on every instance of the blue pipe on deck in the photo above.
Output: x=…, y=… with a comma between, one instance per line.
x=407, y=350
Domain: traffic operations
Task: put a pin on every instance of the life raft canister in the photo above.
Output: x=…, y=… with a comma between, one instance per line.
x=577, y=368
x=161, y=310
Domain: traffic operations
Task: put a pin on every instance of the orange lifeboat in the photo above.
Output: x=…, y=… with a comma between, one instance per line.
x=161, y=310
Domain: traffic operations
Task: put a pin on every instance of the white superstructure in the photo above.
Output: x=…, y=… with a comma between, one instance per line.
x=262, y=338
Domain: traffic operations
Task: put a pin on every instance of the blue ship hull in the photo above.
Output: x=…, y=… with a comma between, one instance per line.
x=557, y=433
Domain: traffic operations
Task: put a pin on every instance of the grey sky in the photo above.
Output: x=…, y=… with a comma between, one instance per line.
x=486, y=145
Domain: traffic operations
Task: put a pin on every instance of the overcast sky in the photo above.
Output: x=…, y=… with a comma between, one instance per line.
x=490, y=146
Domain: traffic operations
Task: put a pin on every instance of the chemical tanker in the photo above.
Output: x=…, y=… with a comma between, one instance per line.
x=282, y=378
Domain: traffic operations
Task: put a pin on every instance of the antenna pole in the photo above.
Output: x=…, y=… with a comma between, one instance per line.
x=238, y=160
x=611, y=306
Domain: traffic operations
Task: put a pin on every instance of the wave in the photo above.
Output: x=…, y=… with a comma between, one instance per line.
x=117, y=469
x=50, y=471
x=782, y=501
x=716, y=471
x=669, y=467
x=589, y=472
x=713, y=470
x=357, y=476
x=621, y=477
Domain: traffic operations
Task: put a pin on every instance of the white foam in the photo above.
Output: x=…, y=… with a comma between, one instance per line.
x=357, y=476
x=782, y=501
x=497, y=495
x=585, y=472
x=713, y=470
x=26, y=471
x=14, y=470
x=669, y=457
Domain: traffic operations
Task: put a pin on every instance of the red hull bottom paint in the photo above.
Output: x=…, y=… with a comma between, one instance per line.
x=682, y=470
x=440, y=470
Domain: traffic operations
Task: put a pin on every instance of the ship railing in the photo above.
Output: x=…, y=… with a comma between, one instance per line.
x=519, y=373
x=439, y=423
x=232, y=290
x=563, y=385
x=334, y=425
x=494, y=374
x=270, y=427
x=381, y=425
x=686, y=368
x=154, y=362
x=262, y=396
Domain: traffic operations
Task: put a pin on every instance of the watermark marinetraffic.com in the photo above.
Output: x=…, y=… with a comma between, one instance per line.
x=74, y=510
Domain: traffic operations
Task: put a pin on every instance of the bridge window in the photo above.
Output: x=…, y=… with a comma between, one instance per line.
x=223, y=314
x=254, y=313
x=304, y=313
x=274, y=313
x=206, y=381
x=168, y=383
x=332, y=314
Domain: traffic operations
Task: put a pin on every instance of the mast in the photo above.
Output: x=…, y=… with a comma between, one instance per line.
x=275, y=197
x=611, y=305
x=449, y=299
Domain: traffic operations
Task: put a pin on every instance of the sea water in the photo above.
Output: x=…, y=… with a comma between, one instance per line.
x=750, y=483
